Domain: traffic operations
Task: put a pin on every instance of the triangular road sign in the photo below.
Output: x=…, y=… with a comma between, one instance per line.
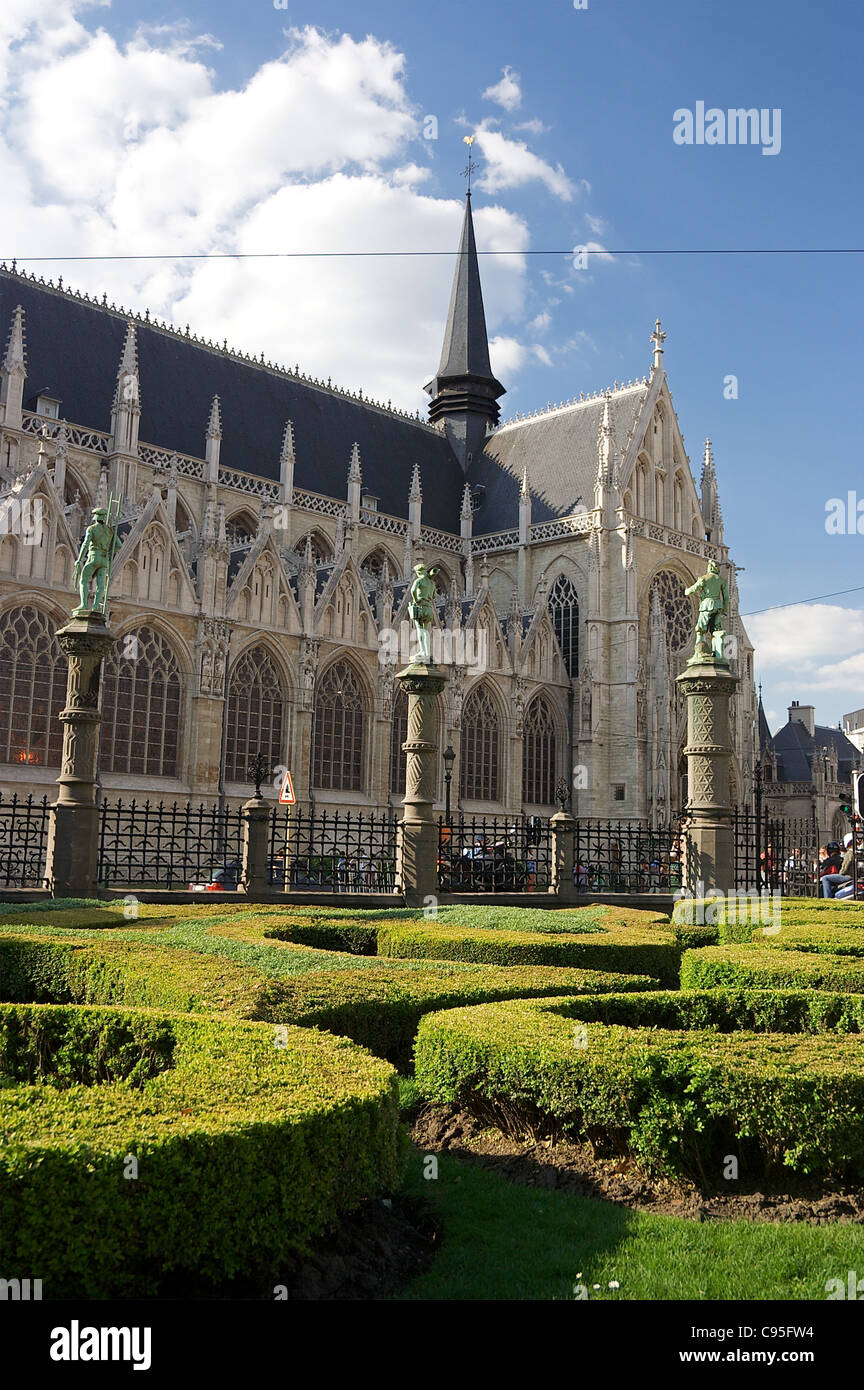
x=286, y=796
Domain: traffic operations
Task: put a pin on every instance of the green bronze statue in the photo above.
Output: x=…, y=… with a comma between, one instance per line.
x=93, y=565
x=713, y=592
x=421, y=611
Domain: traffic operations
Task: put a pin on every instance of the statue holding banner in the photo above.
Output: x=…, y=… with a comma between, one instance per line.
x=93, y=565
x=421, y=611
x=713, y=592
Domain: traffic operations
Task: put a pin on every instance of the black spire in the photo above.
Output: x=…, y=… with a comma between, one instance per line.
x=464, y=392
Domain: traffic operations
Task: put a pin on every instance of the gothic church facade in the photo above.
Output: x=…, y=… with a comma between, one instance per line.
x=269, y=527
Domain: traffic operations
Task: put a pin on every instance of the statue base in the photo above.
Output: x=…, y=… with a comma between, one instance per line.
x=708, y=686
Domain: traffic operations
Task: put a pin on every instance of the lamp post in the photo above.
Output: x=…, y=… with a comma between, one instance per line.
x=449, y=759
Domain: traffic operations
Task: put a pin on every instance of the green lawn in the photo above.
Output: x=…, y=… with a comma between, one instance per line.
x=502, y=1240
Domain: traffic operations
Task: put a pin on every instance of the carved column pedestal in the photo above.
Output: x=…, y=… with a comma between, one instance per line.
x=73, y=826
x=417, y=869
x=709, y=686
x=256, y=838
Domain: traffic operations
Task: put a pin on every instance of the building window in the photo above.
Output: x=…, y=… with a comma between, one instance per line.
x=374, y=563
x=141, y=706
x=322, y=552
x=563, y=605
x=32, y=689
x=257, y=718
x=479, y=762
x=539, y=754
x=618, y=791
x=676, y=608
x=339, y=731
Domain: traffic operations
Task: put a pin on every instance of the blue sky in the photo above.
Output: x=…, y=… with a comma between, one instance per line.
x=265, y=137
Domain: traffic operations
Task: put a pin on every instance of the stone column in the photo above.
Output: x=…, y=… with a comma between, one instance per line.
x=709, y=687
x=73, y=826
x=256, y=835
x=563, y=849
x=417, y=869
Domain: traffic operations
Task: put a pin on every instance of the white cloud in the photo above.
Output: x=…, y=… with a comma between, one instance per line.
x=534, y=127
x=540, y=323
x=507, y=355
x=510, y=164
x=595, y=224
x=507, y=92
x=113, y=148
x=805, y=634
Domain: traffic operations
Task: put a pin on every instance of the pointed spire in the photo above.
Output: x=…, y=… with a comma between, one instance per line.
x=213, y=442
x=464, y=392
x=15, y=355
x=467, y=509
x=286, y=466
x=524, y=490
x=126, y=409
x=708, y=459
x=214, y=424
x=355, y=478
x=606, y=442
x=101, y=499
x=415, y=504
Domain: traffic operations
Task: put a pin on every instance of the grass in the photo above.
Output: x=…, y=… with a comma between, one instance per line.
x=506, y=1241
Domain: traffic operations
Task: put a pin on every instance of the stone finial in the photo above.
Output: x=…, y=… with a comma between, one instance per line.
x=524, y=490
x=658, y=338
x=287, y=452
x=708, y=459
x=15, y=357
x=415, y=492
x=214, y=423
x=354, y=472
x=467, y=509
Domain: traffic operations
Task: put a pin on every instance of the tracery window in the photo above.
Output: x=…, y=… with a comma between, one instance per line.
x=141, y=706
x=32, y=688
x=563, y=605
x=374, y=563
x=321, y=550
x=339, y=740
x=538, y=754
x=480, y=759
x=676, y=608
x=257, y=718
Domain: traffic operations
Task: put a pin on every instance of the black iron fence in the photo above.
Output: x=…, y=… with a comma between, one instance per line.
x=494, y=854
x=614, y=856
x=23, y=841
x=169, y=846
x=339, y=853
x=776, y=853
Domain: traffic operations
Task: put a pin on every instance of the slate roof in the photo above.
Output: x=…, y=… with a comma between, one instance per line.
x=559, y=449
x=74, y=347
x=795, y=749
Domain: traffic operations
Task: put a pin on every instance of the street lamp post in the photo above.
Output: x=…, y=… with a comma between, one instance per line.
x=449, y=759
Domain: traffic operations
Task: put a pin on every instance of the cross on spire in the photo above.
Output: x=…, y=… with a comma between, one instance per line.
x=470, y=166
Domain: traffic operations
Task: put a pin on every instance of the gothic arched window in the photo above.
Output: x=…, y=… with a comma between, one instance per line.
x=340, y=710
x=257, y=718
x=539, y=754
x=32, y=689
x=322, y=551
x=398, y=735
x=676, y=609
x=480, y=759
x=141, y=706
x=373, y=563
x=563, y=605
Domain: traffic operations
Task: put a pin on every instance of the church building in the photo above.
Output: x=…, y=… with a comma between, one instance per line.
x=269, y=527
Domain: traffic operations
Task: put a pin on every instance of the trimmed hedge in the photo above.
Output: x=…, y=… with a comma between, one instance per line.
x=727, y=1010
x=381, y=1007
x=677, y=1100
x=249, y=1144
x=634, y=950
x=770, y=967
x=378, y=1006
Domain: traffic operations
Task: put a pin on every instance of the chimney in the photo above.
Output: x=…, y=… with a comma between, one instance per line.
x=805, y=714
